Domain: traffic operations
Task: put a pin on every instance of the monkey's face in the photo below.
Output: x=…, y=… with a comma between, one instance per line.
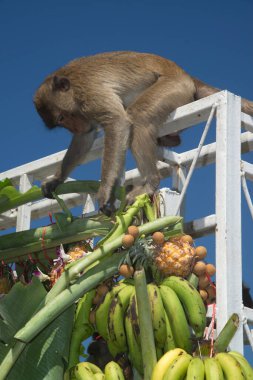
x=55, y=103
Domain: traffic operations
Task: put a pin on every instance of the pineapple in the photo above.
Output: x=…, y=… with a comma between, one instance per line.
x=175, y=257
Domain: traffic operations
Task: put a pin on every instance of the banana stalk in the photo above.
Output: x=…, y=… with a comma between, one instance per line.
x=226, y=334
x=145, y=322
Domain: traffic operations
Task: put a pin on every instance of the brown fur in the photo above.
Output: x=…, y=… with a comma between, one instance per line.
x=130, y=96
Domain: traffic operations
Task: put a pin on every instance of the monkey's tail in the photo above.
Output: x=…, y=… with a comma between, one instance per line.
x=203, y=90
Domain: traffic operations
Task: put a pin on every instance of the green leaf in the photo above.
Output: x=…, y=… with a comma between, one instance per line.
x=46, y=356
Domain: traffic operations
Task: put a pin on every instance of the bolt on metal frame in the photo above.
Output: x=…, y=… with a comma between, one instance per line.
x=231, y=174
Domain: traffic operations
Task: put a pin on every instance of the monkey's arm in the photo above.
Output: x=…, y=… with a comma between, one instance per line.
x=79, y=147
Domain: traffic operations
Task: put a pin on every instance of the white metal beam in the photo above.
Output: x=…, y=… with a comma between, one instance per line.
x=228, y=215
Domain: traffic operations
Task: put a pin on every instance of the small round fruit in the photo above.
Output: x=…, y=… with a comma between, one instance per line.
x=102, y=289
x=203, y=282
x=92, y=317
x=127, y=241
x=210, y=269
x=211, y=290
x=199, y=268
x=203, y=293
x=134, y=231
x=126, y=270
x=187, y=239
x=96, y=299
x=158, y=237
x=200, y=252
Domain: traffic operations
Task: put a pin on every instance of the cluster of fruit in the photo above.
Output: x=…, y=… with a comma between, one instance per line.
x=89, y=371
x=178, y=364
x=176, y=306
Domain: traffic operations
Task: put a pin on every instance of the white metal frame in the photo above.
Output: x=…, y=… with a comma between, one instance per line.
x=225, y=223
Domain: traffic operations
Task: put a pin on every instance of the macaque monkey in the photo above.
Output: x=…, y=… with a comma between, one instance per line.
x=129, y=95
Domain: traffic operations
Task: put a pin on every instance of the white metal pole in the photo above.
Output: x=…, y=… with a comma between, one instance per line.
x=228, y=215
x=24, y=212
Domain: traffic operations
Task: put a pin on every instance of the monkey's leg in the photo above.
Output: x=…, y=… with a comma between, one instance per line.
x=147, y=114
x=75, y=155
x=115, y=147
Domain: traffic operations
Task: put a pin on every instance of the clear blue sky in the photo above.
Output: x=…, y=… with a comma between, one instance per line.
x=210, y=39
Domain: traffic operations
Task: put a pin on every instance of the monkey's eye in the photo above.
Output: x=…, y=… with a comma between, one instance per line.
x=59, y=119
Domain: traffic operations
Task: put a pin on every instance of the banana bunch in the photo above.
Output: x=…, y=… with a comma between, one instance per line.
x=177, y=364
x=176, y=306
x=89, y=371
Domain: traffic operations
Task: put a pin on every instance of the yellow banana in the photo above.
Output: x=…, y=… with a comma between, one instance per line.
x=163, y=364
x=113, y=371
x=178, y=368
x=177, y=318
x=169, y=342
x=134, y=347
x=157, y=314
x=230, y=366
x=117, y=309
x=213, y=369
x=83, y=372
x=245, y=366
x=196, y=370
x=99, y=376
x=192, y=302
x=103, y=309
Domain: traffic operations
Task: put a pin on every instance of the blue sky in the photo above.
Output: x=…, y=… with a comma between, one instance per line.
x=211, y=40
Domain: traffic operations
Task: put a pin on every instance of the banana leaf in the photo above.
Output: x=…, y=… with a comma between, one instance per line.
x=46, y=356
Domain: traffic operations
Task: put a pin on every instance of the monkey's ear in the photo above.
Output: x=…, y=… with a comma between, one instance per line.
x=60, y=83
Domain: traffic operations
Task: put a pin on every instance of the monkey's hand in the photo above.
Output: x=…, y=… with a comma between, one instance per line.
x=48, y=187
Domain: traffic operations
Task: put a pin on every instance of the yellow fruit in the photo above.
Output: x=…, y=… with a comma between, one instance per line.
x=126, y=270
x=203, y=282
x=203, y=293
x=158, y=237
x=199, y=268
x=187, y=238
x=102, y=289
x=127, y=241
x=134, y=231
x=174, y=257
x=210, y=269
x=200, y=252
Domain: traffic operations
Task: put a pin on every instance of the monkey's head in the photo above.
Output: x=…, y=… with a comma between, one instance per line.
x=56, y=104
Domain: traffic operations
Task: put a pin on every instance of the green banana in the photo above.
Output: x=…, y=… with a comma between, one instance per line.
x=103, y=309
x=157, y=314
x=245, y=366
x=82, y=328
x=196, y=369
x=178, y=368
x=192, y=302
x=117, y=309
x=163, y=364
x=113, y=371
x=177, y=318
x=133, y=315
x=134, y=347
x=230, y=366
x=213, y=370
x=169, y=342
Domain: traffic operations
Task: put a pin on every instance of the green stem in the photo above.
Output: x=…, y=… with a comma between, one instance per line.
x=10, y=359
x=145, y=322
x=226, y=334
x=174, y=222
x=25, y=242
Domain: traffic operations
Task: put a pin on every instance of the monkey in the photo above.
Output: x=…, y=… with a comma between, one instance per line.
x=129, y=95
